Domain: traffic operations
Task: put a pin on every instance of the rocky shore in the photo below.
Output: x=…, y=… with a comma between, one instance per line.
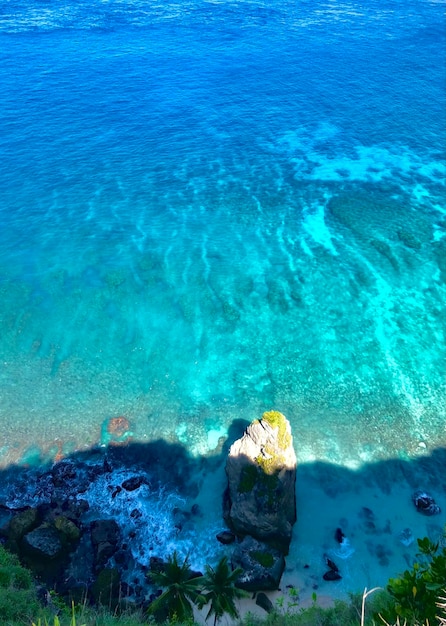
x=72, y=546
x=92, y=528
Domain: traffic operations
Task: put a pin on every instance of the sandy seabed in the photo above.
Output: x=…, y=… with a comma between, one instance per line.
x=375, y=511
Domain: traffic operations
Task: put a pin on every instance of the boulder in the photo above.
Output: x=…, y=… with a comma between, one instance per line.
x=44, y=542
x=64, y=474
x=332, y=574
x=104, y=551
x=105, y=535
x=261, y=468
x=425, y=503
x=264, y=602
x=68, y=529
x=134, y=482
x=22, y=523
x=80, y=566
x=262, y=565
x=225, y=537
x=104, y=530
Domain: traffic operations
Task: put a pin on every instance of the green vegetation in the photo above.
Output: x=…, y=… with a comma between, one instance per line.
x=18, y=598
x=412, y=599
x=221, y=591
x=56, y=620
x=414, y=594
x=181, y=590
x=270, y=461
x=276, y=420
x=270, y=464
x=265, y=559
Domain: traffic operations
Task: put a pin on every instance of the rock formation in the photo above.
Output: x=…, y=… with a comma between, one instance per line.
x=262, y=565
x=260, y=500
x=261, y=470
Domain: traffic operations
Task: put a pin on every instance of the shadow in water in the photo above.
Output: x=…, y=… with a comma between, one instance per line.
x=324, y=494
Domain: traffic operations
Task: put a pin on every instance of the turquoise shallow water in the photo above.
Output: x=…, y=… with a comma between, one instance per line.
x=211, y=209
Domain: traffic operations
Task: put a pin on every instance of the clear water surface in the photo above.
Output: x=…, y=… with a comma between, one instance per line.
x=209, y=209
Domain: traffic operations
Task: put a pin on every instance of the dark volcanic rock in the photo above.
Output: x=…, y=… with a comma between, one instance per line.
x=43, y=542
x=262, y=565
x=156, y=564
x=22, y=523
x=104, y=530
x=105, y=535
x=68, y=529
x=64, y=474
x=74, y=509
x=261, y=470
x=331, y=564
x=104, y=551
x=80, y=567
x=425, y=503
x=133, y=483
x=226, y=537
x=264, y=602
x=332, y=575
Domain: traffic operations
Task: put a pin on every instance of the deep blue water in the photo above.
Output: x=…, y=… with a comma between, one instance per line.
x=211, y=209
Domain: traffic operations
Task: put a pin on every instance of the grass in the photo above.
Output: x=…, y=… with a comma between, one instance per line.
x=344, y=613
x=19, y=607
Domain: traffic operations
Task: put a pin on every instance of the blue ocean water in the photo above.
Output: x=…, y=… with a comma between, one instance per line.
x=209, y=209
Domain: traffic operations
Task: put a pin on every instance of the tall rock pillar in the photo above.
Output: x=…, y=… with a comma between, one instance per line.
x=260, y=499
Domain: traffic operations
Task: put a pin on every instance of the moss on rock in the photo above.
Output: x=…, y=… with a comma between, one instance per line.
x=277, y=420
x=265, y=559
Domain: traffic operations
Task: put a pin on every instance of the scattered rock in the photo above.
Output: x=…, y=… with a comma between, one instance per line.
x=116, y=490
x=195, y=510
x=103, y=552
x=406, y=537
x=105, y=535
x=180, y=517
x=63, y=473
x=383, y=553
x=133, y=483
x=156, y=564
x=332, y=575
x=366, y=513
x=331, y=564
x=425, y=503
x=264, y=602
x=262, y=565
x=80, y=567
x=226, y=537
x=368, y=518
x=408, y=239
x=339, y=535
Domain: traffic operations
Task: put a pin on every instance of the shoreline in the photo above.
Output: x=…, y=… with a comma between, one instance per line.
x=372, y=506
